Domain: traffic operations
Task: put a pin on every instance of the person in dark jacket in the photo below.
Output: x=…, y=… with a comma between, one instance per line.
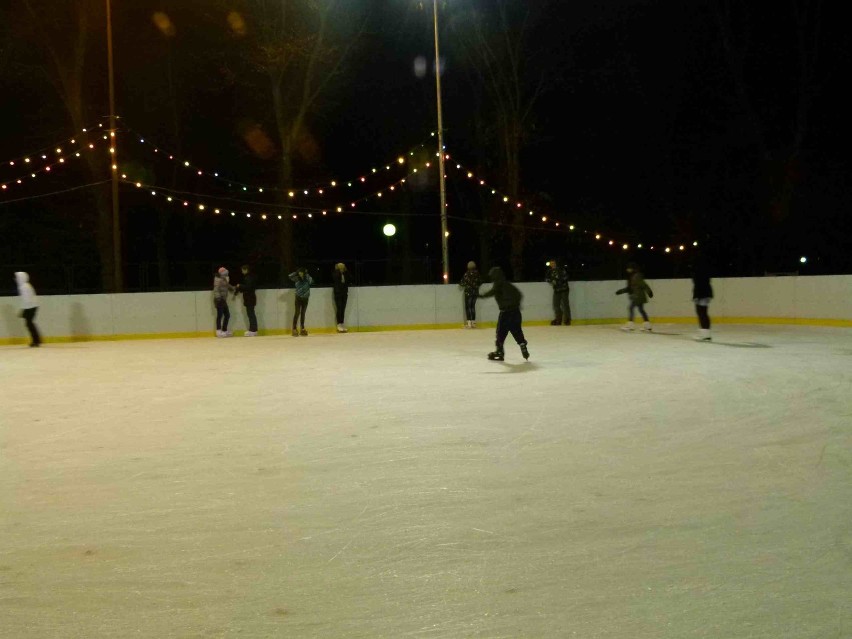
x=639, y=293
x=248, y=287
x=508, y=299
x=340, y=283
x=702, y=294
x=303, y=281
x=470, y=282
x=557, y=277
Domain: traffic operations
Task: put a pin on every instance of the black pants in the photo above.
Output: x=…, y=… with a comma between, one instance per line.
x=252, y=319
x=561, y=308
x=223, y=315
x=301, y=307
x=470, y=306
x=509, y=322
x=29, y=316
x=641, y=307
x=703, y=316
x=340, y=300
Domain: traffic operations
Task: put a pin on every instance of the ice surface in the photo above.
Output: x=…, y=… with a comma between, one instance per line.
x=401, y=485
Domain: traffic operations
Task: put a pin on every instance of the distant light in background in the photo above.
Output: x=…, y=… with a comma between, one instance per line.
x=237, y=23
x=164, y=23
x=420, y=66
x=389, y=230
x=803, y=260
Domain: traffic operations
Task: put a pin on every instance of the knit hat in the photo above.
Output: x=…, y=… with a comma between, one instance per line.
x=471, y=264
x=222, y=270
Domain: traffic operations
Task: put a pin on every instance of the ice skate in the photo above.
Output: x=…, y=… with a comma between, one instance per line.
x=556, y=322
x=646, y=327
x=524, y=350
x=627, y=327
x=250, y=334
x=472, y=324
x=341, y=328
x=703, y=335
x=228, y=334
x=220, y=333
x=467, y=323
x=303, y=333
x=295, y=333
x=496, y=356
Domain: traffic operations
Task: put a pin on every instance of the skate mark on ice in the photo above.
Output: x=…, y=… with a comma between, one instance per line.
x=739, y=345
x=521, y=367
x=353, y=538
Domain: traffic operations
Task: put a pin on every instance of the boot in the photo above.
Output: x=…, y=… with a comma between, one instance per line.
x=703, y=335
x=473, y=323
x=556, y=322
x=303, y=332
x=524, y=350
x=295, y=333
x=497, y=355
x=628, y=326
x=646, y=327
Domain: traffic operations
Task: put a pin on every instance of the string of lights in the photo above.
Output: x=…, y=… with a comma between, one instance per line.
x=48, y=167
x=45, y=151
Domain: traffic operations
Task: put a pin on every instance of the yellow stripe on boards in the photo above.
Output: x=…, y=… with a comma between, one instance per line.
x=790, y=321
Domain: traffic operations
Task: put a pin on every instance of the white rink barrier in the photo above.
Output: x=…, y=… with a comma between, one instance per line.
x=816, y=300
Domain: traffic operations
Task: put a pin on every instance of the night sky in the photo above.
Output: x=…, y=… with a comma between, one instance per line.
x=648, y=129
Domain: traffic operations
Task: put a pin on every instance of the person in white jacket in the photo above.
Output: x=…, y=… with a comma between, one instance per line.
x=29, y=305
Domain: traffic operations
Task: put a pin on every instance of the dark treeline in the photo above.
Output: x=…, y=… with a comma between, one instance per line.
x=653, y=122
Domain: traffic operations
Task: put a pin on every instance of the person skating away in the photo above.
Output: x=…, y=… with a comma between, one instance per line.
x=221, y=288
x=639, y=292
x=508, y=299
x=29, y=306
x=557, y=277
x=248, y=288
x=702, y=294
x=303, y=281
x=470, y=282
x=340, y=285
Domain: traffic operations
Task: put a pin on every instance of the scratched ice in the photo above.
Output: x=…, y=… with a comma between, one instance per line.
x=401, y=485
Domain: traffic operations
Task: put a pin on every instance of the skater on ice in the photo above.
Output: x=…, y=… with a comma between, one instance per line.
x=29, y=306
x=340, y=284
x=639, y=292
x=248, y=288
x=557, y=277
x=221, y=288
x=303, y=281
x=702, y=294
x=470, y=282
x=508, y=298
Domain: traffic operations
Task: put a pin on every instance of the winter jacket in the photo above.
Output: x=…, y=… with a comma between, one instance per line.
x=26, y=291
x=340, y=282
x=507, y=295
x=701, y=288
x=557, y=277
x=637, y=288
x=221, y=287
x=303, y=284
x=471, y=282
x=248, y=287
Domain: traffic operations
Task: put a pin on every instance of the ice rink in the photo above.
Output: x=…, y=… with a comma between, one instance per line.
x=398, y=484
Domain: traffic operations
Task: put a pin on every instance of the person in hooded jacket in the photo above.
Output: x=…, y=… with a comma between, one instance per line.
x=248, y=287
x=639, y=292
x=221, y=288
x=29, y=306
x=303, y=281
x=508, y=298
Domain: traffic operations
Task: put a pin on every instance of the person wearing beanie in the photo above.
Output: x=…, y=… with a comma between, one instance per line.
x=470, y=282
x=221, y=288
x=508, y=299
x=639, y=292
x=302, y=279
x=340, y=284
x=557, y=277
x=248, y=287
x=29, y=306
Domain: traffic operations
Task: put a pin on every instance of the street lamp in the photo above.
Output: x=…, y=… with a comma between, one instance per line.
x=445, y=255
x=118, y=275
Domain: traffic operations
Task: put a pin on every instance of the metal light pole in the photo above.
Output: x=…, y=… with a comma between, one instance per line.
x=118, y=273
x=445, y=255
